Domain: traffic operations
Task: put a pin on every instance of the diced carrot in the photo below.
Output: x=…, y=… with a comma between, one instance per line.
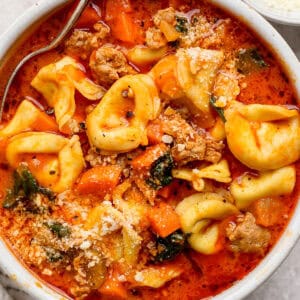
x=166, y=191
x=154, y=132
x=66, y=130
x=112, y=288
x=124, y=29
x=122, y=22
x=44, y=123
x=88, y=18
x=163, y=219
x=150, y=155
x=267, y=211
x=165, y=77
x=114, y=7
x=99, y=180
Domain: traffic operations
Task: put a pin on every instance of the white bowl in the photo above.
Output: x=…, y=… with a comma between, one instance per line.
x=274, y=14
x=36, y=288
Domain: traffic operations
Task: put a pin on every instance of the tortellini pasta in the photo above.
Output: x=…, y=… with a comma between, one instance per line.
x=219, y=172
x=27, y=117
x=196, y=213
x=218, y=130
x=108, y=219
x=66, y=167
x=156, y=277
x=189, y=75
x=119, y=121
x=143, y=55
x=263, y=137
x=196, y=70
x=58, y=81
x=248, y=188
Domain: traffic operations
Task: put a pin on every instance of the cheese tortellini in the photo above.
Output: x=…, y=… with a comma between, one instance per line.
x=143, y=55
x=196, y=214
x=248, y=188
x=26, y=118
x=189, y=75
x=263, y=137
x=156, y=277
x=118, y=123
x=219, y=172
x=66, y=167
x=196, y=70
x=58, y=81
x=107, y=219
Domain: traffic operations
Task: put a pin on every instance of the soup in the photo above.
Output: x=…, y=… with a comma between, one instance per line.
x=153, y=155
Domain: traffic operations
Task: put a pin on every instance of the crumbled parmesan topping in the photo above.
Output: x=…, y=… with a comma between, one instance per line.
x=139, y=277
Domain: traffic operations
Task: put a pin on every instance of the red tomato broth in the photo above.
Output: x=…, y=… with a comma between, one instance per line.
x=203, y=275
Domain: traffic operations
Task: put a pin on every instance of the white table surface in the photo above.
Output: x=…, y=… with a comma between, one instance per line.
x=284, y=284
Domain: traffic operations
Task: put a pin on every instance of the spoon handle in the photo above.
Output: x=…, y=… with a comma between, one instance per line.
x=55, y=42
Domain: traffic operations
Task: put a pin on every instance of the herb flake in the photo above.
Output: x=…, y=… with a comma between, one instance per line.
x=181, y=24
x=219, y=110
x=58, y=229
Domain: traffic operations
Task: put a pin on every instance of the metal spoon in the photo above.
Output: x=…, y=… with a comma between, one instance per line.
x=76, y=14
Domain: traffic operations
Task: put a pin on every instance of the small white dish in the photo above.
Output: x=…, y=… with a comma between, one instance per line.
x=278, y=15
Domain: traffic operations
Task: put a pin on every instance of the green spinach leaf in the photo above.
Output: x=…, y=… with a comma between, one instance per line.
x=249, y=60
x=161, y=172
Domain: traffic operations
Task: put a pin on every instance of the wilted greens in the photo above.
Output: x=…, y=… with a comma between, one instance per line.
x=249, y=60
x=161, y=172
x=25, y=188
x=170, y=247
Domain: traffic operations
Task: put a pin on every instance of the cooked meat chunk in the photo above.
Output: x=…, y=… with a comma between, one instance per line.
x=213, y=150
x=82, y=43
x=248, y=237
x=168, y=15
x=189, y=145
x=102, y=30
x=155, y=38
x=108, y=65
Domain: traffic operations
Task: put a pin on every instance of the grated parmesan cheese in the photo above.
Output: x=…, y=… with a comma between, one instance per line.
x=138, y=277
x=287, y=5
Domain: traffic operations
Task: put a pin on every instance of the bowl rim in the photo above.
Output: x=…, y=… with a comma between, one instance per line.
x=33, y=286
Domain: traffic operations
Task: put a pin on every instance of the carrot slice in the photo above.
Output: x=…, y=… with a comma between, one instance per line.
x=112, y=288
x=99, y=180
x=44, y=123
x=267, y=211
x=163, y=219
x=166, y=191
x=113, y=8
x=122, y=22
x=154, y=132
x=151, y=154
x=164, y=74
x=88, y=18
